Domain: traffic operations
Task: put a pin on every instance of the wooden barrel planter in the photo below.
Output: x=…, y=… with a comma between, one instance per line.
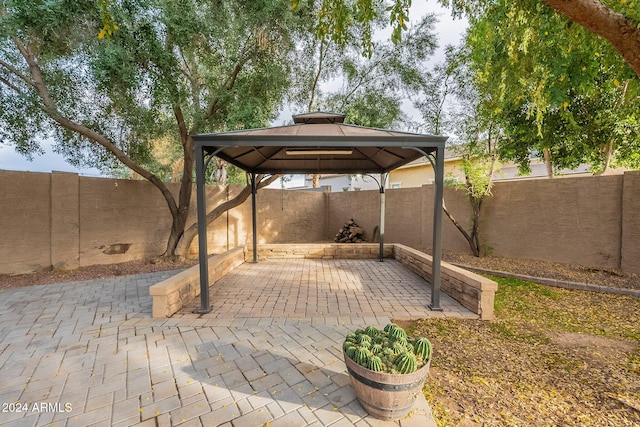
x=386, y=396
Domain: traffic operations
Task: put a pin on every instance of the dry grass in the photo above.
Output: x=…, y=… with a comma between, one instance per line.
x=551, y=357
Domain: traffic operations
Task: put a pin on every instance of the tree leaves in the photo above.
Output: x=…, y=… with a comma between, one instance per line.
x=556, y=89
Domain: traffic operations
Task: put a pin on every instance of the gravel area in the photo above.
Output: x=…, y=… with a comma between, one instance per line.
x=92, y=272
x=547, y=269
x=535, y=268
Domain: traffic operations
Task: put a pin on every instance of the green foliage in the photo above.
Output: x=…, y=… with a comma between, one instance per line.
x=223, y=65
x=374, y=85
x=346, y=22
x=555, y=86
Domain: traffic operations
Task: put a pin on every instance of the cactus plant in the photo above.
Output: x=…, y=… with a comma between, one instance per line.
x=390, y=326
x=422, y=348
x=406, y=363
x=397, y=333
x=397, y=347
x=351, y=351
x=364, y=338
x=362, y=356
x=388, y=350
x=377, y=349
x=372, y=331
x=375, y=364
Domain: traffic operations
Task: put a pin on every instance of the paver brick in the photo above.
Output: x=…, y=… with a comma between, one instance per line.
x=160, y=407
x=187, y=412
x=226, y=412
x=95, y=345
x=126, y=409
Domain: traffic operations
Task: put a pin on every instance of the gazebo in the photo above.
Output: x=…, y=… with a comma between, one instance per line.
x=318, y=142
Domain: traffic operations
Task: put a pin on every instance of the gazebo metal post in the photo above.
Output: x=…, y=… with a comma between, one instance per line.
x=254, y=221
x=437, y=230
x=205, y=306
x=436, y=259
x=382, y=183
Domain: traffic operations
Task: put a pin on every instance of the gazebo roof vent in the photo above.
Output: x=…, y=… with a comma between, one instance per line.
x=318, y=117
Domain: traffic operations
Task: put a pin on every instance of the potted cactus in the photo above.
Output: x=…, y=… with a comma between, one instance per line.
x=387, y=369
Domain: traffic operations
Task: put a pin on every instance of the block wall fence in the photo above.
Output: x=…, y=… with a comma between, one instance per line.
x=65, y=221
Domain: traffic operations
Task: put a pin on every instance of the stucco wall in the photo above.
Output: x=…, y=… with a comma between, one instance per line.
x=25, y=221
x=630, y=224
x=569, y=220
x=64, y=221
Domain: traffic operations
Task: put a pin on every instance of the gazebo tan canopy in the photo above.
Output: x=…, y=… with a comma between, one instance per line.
x=317, y=143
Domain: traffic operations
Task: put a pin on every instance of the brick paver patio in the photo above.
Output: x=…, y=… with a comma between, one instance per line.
x=89, y=353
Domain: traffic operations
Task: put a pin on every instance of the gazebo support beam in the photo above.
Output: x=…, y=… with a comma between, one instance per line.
x=437, y=230
x=382, y=184
x=205, y=306
x=438, y=194
x=254, y=216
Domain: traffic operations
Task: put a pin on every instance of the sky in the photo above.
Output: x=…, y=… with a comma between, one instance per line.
x=449, y=31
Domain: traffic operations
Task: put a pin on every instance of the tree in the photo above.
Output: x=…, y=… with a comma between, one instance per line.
x=561, y=91
x=374, y=88
x=617, y=22
x=451, y=89
x=168, y=70
x=373, y=73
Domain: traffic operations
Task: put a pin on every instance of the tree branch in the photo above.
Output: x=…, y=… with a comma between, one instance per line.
x=51, y=110
x=231, y=80
x=12, y=86
x=620, y=31
x=458, y=226
x=314, y=85
x=36, y=75
x=16, y=72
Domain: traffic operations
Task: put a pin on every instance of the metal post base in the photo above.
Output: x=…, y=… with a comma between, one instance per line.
x=203, y=310
x=434, y=308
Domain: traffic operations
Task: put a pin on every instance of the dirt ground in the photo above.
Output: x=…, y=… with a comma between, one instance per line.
x=92, y=272
x=547, y=269
x=568, y=272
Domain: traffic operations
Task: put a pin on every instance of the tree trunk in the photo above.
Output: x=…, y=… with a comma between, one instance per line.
x=547, y=162
x=179, y=218
x=475, y=226
x=607, y=152
x=191, y=232
x=470, y=240
x=622, y=32
x=608, y=147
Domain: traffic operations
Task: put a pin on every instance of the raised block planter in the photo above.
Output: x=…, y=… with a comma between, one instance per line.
x=172, y=294
x=476, y=293
x=320, y=251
